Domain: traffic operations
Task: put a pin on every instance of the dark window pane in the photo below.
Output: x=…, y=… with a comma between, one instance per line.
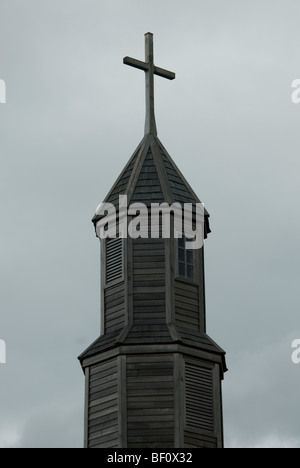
x=181, y=243
x=189, y=256
x=181, y=269
x=190, y=271
x=181, y=255
x=186, y=260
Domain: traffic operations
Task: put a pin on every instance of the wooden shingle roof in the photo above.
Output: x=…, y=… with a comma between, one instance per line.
x=151, y=176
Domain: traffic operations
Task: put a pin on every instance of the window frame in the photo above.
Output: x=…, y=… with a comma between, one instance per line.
x=195, y=264
x=188, y=260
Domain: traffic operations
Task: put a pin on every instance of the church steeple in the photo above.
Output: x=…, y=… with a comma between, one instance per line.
x=153, y=376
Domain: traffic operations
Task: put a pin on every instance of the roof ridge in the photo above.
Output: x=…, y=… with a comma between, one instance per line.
x=176, y=168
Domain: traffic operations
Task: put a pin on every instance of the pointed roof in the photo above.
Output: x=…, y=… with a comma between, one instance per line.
x=151, y=176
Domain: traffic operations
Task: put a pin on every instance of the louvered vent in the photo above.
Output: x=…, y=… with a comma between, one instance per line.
x=199, y=397
x=114, y=259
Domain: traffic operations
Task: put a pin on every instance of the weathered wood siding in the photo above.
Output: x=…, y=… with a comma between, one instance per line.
x=148, y=186
x=180, y=191
x=121, y=184
x=187, y=305
x=149, y=306
x=193, y=440
x=114, y=307
x=103, y=417
x=150, y=401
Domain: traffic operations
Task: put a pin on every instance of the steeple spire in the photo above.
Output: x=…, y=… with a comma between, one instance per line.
x=150, y=70
x=153, y=376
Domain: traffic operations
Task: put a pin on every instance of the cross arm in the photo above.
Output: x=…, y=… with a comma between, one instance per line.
x=164, y=73
x=145, y=67
x=136, y=63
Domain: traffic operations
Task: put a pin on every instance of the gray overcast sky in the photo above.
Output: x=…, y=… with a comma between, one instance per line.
x=73, y=117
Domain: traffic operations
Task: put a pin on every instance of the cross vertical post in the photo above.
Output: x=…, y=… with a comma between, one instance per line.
x=150, y=70
x=150, y=124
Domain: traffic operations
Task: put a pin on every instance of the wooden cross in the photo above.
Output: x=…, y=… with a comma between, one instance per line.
x=150, y=70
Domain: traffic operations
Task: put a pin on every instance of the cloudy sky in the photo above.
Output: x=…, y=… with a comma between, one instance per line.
x=74, y=115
